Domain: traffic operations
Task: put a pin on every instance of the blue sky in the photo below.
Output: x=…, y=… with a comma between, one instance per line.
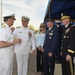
x=35, y=9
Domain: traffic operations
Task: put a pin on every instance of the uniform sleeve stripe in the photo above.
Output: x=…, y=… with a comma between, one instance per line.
x=71, y=51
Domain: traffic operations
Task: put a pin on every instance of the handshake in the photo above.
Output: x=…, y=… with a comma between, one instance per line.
x=17, y=41
x=6, y=44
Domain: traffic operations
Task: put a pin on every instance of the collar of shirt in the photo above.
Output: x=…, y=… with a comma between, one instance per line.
x=57, y=26
x=50, y=28
x=25, y=27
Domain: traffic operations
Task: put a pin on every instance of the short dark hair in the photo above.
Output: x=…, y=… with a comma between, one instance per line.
x=50, y=20
x=6, y=19
x=9, y=16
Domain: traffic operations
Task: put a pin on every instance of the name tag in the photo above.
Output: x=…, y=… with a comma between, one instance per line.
x=19, y=32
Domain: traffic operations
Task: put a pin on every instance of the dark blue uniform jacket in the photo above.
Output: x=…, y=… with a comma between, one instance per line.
x=51, y=40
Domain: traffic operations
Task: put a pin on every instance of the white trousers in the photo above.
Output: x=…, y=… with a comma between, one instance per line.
x=6, y=63
x=22, y=64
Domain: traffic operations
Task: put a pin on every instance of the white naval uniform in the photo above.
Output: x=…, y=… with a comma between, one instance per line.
x=6, y=54
x=22, y=50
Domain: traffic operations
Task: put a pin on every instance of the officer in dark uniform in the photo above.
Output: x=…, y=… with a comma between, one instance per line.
x=49, y=47
x=66, y=66
x=71, y=50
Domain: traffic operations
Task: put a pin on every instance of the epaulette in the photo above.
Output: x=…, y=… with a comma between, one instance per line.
x=18, y=27
x=3, y=25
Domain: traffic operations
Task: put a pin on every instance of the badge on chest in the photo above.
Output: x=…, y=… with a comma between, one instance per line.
x=51, y=34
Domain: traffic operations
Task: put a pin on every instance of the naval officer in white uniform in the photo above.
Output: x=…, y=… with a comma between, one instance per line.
x=7, y=43
x=22, y=50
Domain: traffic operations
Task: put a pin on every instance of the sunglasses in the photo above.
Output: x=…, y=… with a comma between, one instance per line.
x=42, y=26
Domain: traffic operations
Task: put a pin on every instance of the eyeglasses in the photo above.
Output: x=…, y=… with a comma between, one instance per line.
x=42, y=26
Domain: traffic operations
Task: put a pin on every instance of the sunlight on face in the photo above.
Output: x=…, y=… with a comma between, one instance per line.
x=65, y=21
x=49, y=24
x=11, y=21
x=42, y=28
x=25, y=23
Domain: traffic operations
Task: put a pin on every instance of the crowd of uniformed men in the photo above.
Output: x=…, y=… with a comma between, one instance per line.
x=53, y=44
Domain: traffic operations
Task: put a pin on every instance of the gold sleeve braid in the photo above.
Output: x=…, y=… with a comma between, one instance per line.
x=71, y=51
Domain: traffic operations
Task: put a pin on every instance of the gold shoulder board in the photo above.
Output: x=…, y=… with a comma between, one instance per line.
x=3, y=25
x=18, y=27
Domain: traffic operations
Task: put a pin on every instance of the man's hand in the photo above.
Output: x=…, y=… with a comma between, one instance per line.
x=61, y=53
x=68, y=57
x=33, y=51
x=39, y=48
x=7, y=44
x=17, y=41
x=50, y=54
x=42, y=49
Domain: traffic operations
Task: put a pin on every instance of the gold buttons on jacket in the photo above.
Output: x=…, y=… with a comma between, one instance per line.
x=66, y=37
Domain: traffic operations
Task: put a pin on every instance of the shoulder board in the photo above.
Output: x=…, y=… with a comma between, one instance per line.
x=3, y=25
x=18, y=27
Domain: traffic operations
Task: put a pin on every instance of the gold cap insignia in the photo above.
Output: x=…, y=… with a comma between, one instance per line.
x=18, y=27
x=25, y=18
x=65, y=17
